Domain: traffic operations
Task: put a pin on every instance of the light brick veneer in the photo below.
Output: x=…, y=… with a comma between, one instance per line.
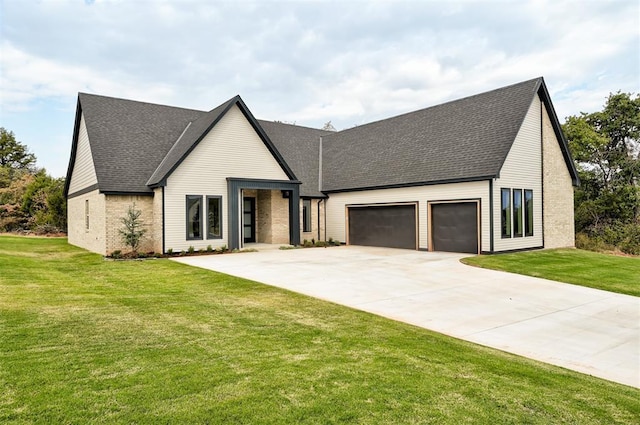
x=557, y=192
x=116, y=208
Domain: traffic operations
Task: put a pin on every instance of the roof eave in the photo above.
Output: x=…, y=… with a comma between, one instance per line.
x=74, y=147
x=413, y=184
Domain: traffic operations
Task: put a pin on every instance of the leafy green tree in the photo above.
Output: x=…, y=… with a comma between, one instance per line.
x=133, y=230
x=606, y=145
x=13, y=154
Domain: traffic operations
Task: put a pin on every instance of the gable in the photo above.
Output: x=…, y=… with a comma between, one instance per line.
x=83, y=174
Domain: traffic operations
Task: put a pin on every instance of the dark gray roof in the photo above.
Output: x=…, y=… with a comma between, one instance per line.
x=462, y=140
x=300, y=147
x=129, y=139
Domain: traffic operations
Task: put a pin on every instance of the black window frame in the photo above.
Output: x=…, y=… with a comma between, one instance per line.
x=505, y=213
x=208, y=222
x=188, y=219
x=306, y=215
x=518, y=213
x=528, y=212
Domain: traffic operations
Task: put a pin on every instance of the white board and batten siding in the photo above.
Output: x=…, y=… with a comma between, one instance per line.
x=231, y=149
x=338, y=202
x=84, y=172
x=522, y=170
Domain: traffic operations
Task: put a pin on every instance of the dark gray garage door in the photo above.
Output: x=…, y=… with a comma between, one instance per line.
x=454, y=227
x=388, y=226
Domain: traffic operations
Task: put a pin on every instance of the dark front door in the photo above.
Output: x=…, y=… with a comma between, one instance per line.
x=249, y=219
x=391, y=226
x=454, y=227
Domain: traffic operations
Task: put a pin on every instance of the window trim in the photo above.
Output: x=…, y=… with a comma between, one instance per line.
x=528, y=213
x=518, y=214
x=505, y=217
x=306, y=215
x=187, y=199
x=219, y=198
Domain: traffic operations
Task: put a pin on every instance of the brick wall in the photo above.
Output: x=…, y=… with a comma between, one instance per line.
x=557, y=192
x=272, y=216
x=313, y=234
x=93, y=237
x=116, y=207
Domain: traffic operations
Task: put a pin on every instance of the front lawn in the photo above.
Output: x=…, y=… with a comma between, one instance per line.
x=85, y=340
x=602, y=271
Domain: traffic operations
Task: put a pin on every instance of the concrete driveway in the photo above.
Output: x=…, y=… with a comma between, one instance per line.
x=586, y=330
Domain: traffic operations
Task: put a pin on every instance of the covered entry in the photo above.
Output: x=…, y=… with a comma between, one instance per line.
x=454, y=226
x=392, y=226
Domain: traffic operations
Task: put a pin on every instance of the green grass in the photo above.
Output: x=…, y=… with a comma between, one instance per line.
x=602, y=271
x=84, y=340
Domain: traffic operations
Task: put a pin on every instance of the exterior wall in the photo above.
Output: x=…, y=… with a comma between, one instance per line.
x=317, y=233
x=93, y=238
x=84, y=172
x=522, y=169
x=231, y=149
x=337, y=202
x=116, y=207
x=155, y=234
x=272, y=214
x=559, y=228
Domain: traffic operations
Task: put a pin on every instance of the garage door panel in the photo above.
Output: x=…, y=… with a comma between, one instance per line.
x=385, y=226
x=454, y=227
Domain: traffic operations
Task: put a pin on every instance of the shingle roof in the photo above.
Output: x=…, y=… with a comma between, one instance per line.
x=129, y=139
x=461, y=140
x=300, y=147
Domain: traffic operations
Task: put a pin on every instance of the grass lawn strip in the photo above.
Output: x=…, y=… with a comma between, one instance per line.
x=601, y=271
x=84, y=340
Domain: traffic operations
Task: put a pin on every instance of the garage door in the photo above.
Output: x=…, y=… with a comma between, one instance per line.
x=454, y=227
x=392, y=226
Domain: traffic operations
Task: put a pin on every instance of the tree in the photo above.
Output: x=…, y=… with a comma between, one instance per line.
x=605, y=145
x=328, y=126
x=13, y=154
x=133, y=230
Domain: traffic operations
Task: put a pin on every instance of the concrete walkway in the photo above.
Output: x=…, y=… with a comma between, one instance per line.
x=586, y=330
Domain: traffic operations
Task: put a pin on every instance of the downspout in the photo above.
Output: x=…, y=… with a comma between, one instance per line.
x=319, y=218
x=491, y=215
x=163, y=226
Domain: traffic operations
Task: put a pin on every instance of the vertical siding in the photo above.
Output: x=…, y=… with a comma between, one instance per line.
x=93, y=239
x=84, y=172
x=337, y=202
x=522, y=170
x=231, y=149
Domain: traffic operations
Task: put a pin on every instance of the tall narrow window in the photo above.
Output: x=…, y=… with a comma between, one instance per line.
x=306, y=215
x=86, y=214
x=214, y=217
x=528, y=212
x=517, y=213
x=505, y=212
x=194, y=217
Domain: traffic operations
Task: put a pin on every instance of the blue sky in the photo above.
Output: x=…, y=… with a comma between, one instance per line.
x=303, y=62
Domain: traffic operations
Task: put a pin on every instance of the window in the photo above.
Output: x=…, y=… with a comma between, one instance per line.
x=214, y=217
x=517, y=213
x=528, y=212
x=306, y=215
x=505, y=215
x=86, y=214
x=194, y=217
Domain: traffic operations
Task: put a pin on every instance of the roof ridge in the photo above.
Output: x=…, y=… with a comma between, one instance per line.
x=139, y=102
x=360, y=126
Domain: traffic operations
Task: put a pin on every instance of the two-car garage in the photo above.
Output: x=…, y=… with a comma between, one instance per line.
x=453, y=226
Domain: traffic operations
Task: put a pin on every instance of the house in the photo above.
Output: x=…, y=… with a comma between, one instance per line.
x=487, y=173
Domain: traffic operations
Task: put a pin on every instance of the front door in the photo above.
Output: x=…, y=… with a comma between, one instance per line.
x=249, y=219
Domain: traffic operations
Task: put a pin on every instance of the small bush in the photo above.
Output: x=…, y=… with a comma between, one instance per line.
x=116, y=254
x=209, y=248
x=321, y=244
x=222, y=249
x=307, y=244
x=191, y=250
x=170, y=251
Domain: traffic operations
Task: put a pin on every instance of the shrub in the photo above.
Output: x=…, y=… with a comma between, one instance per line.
x=116, y=254
x=170, y=251
x=307, y=244
x=191, y=249
x=209, y=248
x=321, y=244
x=133, y=231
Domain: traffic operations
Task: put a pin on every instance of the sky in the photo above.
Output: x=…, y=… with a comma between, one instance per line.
x=304, y=62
